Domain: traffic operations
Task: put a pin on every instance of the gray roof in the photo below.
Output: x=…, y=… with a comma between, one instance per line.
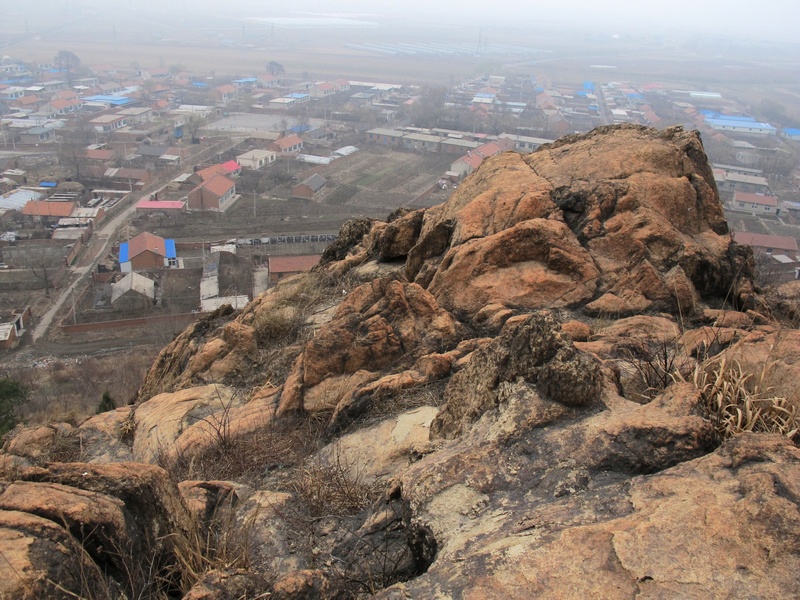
x=316, y=182
x=156, y=151
x=133, y=281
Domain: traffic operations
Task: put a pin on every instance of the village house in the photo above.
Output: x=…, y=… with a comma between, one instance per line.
x=40, y=133
x=267, y=80
x=216, y=194
x=119, y=178
x=473, y=159
x=309, y=187
x=245, y=83
x=108, y=123
x=167, y=207
x=768, y=244
x=284, y=266
x=60, y=107
x=256, y=159
x=132, y=292
x=755, y=203
x=13, y=327
x=46, y=214
x=385, y=137
x=739, y=182
x=147, y=251
x=137, y=115
x=525, y=144
x=322, y=89
x=288, y=144
x=282, y=103
x=223, y=93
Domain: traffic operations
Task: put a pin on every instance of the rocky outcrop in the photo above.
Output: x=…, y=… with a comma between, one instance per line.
x=724, y=524
x=88, y=530
x=624, y=211
x=498, y=397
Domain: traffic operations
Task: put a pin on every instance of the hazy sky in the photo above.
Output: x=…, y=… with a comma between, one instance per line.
x=766, y=19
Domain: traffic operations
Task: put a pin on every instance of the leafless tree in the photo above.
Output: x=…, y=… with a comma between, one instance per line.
x=67, y=61
x=44, y=265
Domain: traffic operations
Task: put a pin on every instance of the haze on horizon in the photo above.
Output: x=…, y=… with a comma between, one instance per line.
x=769, y=21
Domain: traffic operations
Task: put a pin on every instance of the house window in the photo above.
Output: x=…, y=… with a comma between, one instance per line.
x=172, y=262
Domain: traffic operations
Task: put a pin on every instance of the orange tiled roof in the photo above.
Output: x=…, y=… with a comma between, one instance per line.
x=146, y=241
x=43, y=208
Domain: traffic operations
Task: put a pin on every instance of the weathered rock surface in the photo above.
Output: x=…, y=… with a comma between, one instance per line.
x=86, y=527
x=723, y=525
x=641, y=206
x=490, y=408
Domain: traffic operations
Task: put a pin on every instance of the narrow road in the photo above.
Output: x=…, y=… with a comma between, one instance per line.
x=106, y=234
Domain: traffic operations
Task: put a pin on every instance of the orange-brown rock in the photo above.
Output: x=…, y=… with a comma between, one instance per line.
x=532, y=351
x=86, y=528
x=387, y=322
x=625, y=210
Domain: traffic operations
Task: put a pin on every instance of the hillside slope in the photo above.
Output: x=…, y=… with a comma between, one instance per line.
x=498, y=397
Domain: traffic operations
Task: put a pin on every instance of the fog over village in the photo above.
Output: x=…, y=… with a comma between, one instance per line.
x=189, y=174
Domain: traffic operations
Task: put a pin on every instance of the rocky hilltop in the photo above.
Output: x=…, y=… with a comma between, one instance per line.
x=562, y=382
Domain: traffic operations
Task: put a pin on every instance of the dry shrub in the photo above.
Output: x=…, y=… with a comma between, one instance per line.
x=737, y=401
x=221, y=544
x=654, y=362
x=279, y=326
x=274, y=448
x=329, y=488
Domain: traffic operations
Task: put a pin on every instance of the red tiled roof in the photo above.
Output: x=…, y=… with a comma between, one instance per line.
x=25, y=100
x=160, y=204
x=760, y=240
x=219, y=185
x=226, y=89
x=231, y=166
x=755, y=199
x=100, y=154
x=473, y=160
x=292, y=264
x=42, y=208
x=146, y=241
x=210, y=172
x=60, y=103
x=288, y=141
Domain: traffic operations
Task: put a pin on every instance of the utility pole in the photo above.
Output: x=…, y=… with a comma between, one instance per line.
x=254, y=204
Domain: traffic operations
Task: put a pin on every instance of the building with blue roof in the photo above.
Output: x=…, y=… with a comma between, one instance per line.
x=740, y=125
x=791, y=134
x=110, y=100
x=147, y=251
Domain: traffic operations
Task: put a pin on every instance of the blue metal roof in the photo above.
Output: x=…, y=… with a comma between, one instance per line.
x=792, y=131
x=721, y=117
x=245, y=80
x=113, y=100
x=123, y=252
x=169, y=246
x=739, y=123
x=48, y=184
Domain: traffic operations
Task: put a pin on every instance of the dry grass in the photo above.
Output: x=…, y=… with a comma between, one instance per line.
x=737, y=401
x=69, y=390
x=271, y=450
x=329, y=488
